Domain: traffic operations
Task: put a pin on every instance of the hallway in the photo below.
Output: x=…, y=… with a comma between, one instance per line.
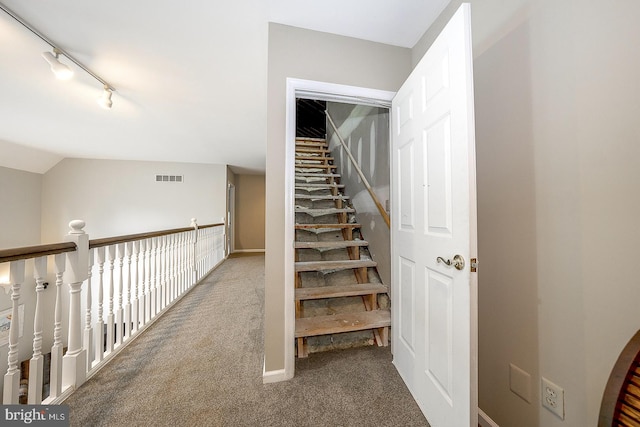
x=201, y=365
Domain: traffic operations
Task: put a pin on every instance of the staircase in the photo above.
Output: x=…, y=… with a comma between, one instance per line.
x=340, y=300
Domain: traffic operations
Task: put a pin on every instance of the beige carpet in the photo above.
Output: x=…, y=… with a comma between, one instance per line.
x=201, y=365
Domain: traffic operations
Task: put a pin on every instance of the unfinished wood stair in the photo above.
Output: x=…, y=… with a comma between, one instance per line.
x=329, y=258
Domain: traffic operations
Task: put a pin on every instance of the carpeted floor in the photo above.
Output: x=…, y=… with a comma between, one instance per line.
x=201, y=365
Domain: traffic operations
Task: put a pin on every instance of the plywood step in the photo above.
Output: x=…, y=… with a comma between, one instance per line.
x=339, y=244
x=311, y=144
x=307, y=226
x=322, y=212
x=311, y=150
x=314, y=158
x=320, y=197
x=316, y=175
x=301, y=266
x=318, y=186
x=340, y=291
x=314, y=166
x=310, y=139
x=347, y=322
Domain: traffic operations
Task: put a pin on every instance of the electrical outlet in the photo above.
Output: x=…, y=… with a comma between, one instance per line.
x=553, y=397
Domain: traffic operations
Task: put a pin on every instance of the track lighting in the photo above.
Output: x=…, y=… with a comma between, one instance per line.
x=105, y=99
x=61, y=71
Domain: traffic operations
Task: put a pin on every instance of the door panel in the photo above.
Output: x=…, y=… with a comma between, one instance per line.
x=433, y=201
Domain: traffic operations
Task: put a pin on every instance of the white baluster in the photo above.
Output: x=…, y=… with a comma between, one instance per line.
x=158, y=274
x=193, y=278
x=127, y=306
x=87, y=339
x=99, y=331
x=162, y=273
x=111, y=253
x=135, y=304
x=174, y=266
x=147, y=280
x=36, y=364
x=180, y=251
x=74, y=362
x=119, y=311
x=168, y=256
x=12, y=377
x=55, y=382
x=153, y=269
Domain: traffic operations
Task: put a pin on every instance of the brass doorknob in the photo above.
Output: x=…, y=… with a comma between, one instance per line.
x=458, y=262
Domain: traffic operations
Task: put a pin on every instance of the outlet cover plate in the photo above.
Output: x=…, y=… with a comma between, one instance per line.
x=552, y=397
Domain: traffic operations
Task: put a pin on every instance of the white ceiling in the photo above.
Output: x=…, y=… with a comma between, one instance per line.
x=190, y=77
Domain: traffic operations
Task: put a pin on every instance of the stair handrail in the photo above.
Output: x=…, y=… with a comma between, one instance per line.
x=383, y=213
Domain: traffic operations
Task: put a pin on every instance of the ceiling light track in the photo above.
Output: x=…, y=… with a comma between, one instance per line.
x=52, y=59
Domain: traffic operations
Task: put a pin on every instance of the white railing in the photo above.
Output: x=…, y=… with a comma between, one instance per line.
x=116, y=288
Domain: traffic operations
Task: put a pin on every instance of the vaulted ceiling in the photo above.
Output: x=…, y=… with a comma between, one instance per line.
x=190, y=77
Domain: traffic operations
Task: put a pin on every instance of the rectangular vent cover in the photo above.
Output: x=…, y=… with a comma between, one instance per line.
x=169, y=178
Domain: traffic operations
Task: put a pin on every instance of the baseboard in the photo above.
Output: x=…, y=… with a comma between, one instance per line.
x=274, y=376
x=484, y=420
x=248, y=250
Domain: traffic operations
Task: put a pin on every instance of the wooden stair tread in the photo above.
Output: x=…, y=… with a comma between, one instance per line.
x=316, y=185
x=340, y=291
x=350, y=225
x=314, y=166
x=338, y=244
x=311, y=150
x=316, y=175
x=327, y=211
x=320, y=197
x=305, y=140
x=314, y=158
x=347, y=322
x=301, y=266
x=311, y=144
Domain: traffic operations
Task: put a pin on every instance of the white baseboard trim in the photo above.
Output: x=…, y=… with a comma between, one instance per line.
x=248, y=250
x=273, y=376
x=484, y=420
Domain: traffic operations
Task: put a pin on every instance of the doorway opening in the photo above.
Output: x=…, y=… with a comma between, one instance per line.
x=320, y=91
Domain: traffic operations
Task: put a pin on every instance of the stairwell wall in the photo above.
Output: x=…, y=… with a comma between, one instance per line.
x=366, y=130
x=310, y=55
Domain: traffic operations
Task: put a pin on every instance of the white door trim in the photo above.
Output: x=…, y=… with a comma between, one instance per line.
x=322, y=91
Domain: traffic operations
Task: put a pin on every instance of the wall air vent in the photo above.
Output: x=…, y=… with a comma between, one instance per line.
x=169, y=178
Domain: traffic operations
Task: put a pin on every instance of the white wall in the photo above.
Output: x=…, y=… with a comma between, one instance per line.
x=20, y=194
x=366, y=130
x=116, y=197
x=310, y=55
x=556, y=87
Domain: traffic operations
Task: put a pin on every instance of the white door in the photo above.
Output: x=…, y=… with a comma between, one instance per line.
x=434, y=215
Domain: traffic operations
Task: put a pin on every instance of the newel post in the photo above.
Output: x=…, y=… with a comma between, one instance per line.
x=194, y=224
x=74, y=362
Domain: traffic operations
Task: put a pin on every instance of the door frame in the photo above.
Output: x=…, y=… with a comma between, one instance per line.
x=231, y=218
x=309, y=89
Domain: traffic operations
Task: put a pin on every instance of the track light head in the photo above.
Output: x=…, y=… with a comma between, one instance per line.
x=105, y=99
x=60, y=70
